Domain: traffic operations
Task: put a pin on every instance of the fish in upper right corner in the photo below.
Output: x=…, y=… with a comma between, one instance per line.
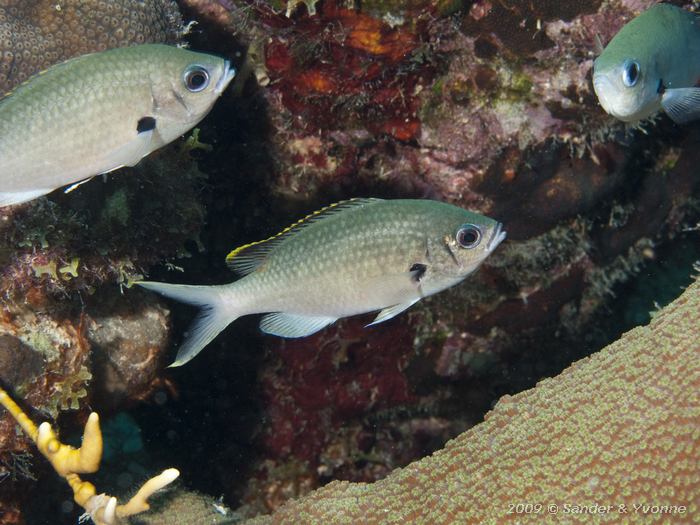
x=652, y=64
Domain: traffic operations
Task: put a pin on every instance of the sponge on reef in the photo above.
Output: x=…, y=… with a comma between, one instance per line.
x=614, y=438
x=35, y=34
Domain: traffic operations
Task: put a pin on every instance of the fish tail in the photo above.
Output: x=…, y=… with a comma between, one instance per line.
x=217, y=312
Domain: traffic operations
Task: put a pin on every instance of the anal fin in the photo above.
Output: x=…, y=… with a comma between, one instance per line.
x=291, y=325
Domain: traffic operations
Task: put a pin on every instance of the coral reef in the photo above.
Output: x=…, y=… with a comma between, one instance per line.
x=69, y=462
x=487, y=105
x=350, y=373
x=103, y=232
x=402, y=95
x=127, y=334
x=44, y=322
x=181, y=507
x=35, y=34
x=70, y=336
x=54, y=257
x=59, y=359
x=47, y=357
x=619, y=428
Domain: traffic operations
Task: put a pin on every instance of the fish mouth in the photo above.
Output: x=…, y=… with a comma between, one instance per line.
x=498, y=235
x=603, y=87
x=613, y=101
x=229, y=73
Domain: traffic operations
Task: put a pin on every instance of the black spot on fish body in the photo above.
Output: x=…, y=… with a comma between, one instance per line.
x=661, y=88
x=418, y=270
x=145, y=124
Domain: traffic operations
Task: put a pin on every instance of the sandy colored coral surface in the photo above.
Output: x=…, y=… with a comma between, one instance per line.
x=619, y=428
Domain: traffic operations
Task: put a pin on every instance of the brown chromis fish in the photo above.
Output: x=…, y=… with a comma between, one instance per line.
x=350, y=258
x=652, y=64
x=96, y=113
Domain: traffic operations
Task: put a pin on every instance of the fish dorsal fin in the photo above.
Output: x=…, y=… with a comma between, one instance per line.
x=598, y=43
x=246, y=259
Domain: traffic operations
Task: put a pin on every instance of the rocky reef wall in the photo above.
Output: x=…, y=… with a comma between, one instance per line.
x=487, y=105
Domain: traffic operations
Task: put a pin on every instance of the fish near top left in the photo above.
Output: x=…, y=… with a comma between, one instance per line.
x=99, y=112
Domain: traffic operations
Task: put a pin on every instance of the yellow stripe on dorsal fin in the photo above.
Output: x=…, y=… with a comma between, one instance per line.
x=247, y=258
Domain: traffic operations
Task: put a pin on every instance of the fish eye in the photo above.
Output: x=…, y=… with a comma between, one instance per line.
x=468, y=236
x=630, y=73
x=196, y=78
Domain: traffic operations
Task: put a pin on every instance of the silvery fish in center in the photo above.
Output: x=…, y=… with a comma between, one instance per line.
x=96, y=113
x=350, y=258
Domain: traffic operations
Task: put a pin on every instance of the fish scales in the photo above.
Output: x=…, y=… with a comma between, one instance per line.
x=348, y=251
x=36, y=118
x=355, y=257
x=98, y=112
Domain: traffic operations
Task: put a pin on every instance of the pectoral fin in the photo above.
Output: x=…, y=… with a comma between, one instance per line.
x=392, y=311
x=145, y=141
x=409, y=286
x=682, y=104
x=290, y=325
x=74, y=186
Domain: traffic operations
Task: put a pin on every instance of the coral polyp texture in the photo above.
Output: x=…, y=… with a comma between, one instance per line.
x=619, y=428
x=35, y=34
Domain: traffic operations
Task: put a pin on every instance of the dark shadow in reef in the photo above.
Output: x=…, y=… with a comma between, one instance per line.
x=205, y=424
x=207, y=430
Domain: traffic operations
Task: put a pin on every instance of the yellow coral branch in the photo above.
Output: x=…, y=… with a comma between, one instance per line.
x=66, y=459
x=83, y=491
x=139, y=502
x=69, y=462
x=13, y=408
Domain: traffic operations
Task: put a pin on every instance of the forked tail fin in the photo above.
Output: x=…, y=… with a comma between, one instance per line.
x=216, y=314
